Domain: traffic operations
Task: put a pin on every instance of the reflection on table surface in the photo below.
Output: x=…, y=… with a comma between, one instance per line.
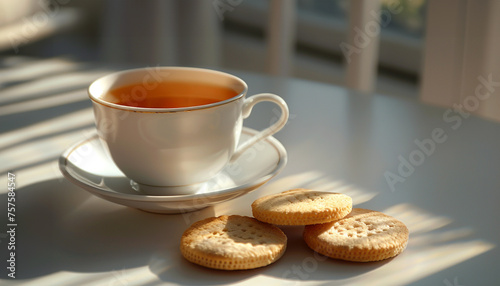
x=336, y=139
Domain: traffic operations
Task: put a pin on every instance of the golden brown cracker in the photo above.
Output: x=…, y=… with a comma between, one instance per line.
x=363, y=235
x=301, y=207
x=232, y=243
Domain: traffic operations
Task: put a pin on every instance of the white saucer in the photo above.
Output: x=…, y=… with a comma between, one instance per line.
x=87, y=165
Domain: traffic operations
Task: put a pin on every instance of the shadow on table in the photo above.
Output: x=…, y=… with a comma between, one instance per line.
x=60, y=227
x=437, y=244
x=299, y=263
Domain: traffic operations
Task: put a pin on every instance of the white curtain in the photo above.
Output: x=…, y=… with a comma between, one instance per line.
x=462, y=58
x=161, y=32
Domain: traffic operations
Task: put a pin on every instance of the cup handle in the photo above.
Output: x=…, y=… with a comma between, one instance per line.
x=277, y=126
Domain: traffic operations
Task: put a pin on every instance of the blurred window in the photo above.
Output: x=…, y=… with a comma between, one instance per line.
x=322, y=27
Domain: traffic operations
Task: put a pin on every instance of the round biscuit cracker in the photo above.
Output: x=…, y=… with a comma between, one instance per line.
x=301, y=207
x=232, y=243
x=362, y=236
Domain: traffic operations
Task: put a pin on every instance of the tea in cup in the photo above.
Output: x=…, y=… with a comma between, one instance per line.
x=170, y=129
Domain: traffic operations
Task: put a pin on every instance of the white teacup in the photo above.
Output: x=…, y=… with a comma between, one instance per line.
x=171, y=151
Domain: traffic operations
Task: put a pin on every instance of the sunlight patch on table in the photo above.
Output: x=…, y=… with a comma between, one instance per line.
x=318, y=181
x=40, y=151
x=45, y=87
x=46, y=102
x=426, y=261
x=77, y=119
x=442, y=237
x=430, y=249
x=417, y=220
x=36, y=68
x=59, y=278
x=135, y=276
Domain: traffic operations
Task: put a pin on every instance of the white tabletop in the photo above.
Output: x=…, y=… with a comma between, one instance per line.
x=432, y=168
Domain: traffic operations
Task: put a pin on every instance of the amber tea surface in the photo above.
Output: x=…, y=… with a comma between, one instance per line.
x=169, y=94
